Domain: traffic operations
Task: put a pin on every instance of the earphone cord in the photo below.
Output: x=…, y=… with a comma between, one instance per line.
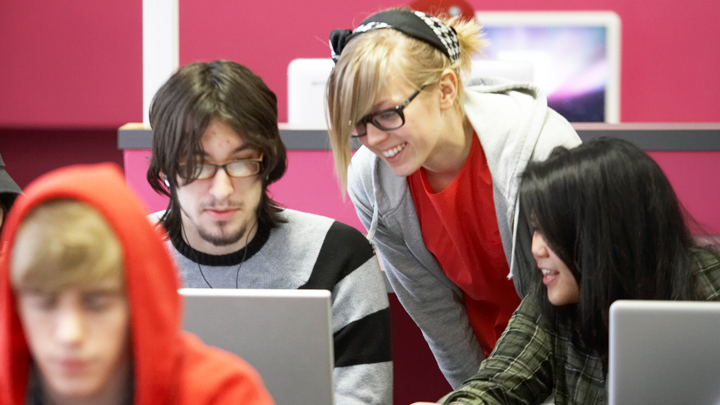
x=197, y=259
x=237, y=272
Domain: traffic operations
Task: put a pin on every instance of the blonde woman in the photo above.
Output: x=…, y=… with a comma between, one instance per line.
x=436, y=180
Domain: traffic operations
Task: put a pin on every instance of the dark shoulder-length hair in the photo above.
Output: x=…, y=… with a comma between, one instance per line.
x=608, y=211
x=180, y=113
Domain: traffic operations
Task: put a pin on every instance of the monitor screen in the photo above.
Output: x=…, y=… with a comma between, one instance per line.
x=575, y=57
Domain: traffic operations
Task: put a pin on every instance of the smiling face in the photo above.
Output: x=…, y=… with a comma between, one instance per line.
x=219, y=213
x=406, y=148
x=562, y=287
x=79, y=338
x=433, y=136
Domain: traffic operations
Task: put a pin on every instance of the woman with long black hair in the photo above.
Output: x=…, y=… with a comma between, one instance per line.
x=607, y=226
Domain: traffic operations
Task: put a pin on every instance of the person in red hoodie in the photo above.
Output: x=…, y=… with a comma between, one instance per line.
x=89, y=309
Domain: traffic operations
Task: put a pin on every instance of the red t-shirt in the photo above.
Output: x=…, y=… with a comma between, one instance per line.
x=459, y=227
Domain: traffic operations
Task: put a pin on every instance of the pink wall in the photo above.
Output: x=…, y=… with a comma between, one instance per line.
x=70, y=63
x=79, y=63
x=695, y=177
x=31, y=152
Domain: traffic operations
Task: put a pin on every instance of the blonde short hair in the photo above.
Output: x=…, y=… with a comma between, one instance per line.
x=62, y=244
x=361, y=76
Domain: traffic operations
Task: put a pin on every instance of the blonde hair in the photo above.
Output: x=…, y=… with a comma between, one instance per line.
x=361, y=76
x=63, y=243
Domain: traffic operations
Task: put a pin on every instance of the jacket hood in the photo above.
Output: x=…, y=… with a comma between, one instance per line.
x=150, y=277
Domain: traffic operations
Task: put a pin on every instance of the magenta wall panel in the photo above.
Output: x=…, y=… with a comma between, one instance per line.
x=695, y=176
x=79, y=63
x=136, y=163
x=70, y=63
x=309, y=185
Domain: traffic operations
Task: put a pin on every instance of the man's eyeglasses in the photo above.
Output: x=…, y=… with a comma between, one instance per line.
x=236, y=168
x=384, y=120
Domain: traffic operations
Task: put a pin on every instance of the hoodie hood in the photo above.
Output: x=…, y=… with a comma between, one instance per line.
x=150, y=277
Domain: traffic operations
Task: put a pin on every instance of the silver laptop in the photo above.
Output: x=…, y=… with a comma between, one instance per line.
x=285, y=334
x=664, y=352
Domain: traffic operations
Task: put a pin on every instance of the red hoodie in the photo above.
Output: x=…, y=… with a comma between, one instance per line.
x=170, y=366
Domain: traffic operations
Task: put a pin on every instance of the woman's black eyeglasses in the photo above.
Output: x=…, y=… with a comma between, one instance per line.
x=384, y=120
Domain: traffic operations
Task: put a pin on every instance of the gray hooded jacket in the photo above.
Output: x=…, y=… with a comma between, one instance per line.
x=514, y=125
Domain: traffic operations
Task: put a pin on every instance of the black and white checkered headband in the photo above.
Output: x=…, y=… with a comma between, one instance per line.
x=414, y=24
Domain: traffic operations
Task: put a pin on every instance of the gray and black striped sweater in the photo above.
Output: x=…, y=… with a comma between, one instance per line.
x=315, y=252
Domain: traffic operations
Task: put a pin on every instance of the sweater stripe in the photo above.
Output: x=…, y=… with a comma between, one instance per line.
x=343, y=250
x=351, y=346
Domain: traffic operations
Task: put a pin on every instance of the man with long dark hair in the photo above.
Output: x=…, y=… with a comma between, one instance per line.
x=216, y=149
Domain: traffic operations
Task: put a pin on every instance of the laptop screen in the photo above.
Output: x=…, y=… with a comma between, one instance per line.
x=664, y=352
x=284, y=334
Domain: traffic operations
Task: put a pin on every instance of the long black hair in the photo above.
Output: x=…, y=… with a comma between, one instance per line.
x=180, y=113
x=610, y=214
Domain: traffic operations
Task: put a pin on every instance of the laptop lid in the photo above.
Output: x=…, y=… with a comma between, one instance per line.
x=664, y=352
x=285, y=334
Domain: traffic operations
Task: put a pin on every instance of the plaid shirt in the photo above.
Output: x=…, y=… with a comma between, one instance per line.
x=531, y=359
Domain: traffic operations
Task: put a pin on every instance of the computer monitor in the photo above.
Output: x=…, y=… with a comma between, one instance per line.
x=664, y=352
x=575, y=57
x=307, y=79
x=306, y=91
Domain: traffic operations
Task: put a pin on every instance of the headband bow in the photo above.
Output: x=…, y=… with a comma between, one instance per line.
x=414, y=24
